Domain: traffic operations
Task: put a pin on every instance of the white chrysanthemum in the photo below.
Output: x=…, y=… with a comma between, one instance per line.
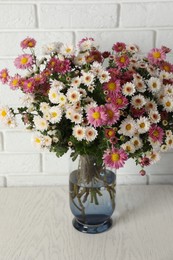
x=164, y=148
x=154, y=156
x=76, y=118
x=169, y=133
x=152, y=70
x=139, y=85
x=55, y=114
x=27, y=99
x=154, y=84
x=137, y=142
x=82, y=92
x=150, y=105
x=90, y=134
x=87, y=78
x=57, y=84
x=62, y=100
x=133, y=48
x=53, y=95
x=90, y=105
x=128, y=147
x=154, y=116
x=80, y=59
x=44, y=107
x=168, y=90
x=91, y=88
x=67, y=50
x=138, y=101
x=165, y=75
x=143, y=125
x=69, y=113
x=104, y=76
x=46, y=115
x=167, y=103
x=40, y=123
x=96, y=68
x=79, y=132
x=128, y=127
x=73, y=95
x=37, y=140
x=155, y=144
x=10, y=121
x=47, y=141
x=128, y=89
x=76, y=82
x=4, y=113
x=51, y=47
x=169, y=141
x=87, y=45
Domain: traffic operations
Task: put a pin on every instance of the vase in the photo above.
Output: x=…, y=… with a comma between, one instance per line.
x=92, y=190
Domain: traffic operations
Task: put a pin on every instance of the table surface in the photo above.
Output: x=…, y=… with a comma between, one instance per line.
x=35, y=224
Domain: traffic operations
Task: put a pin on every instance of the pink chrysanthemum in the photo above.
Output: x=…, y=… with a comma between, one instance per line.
x=155, y=56
x=119, y=46
x=115, y=158
x=137, y=112
x=62, y=66
x=15, y=82
x=29, y=85
x=52, y=63
x=166, y=66
x=24, y=61
x=122, y=61
x=156, y=133
x=119, y=101
x=4, y=76
x=112, y=114
x=145, y=161
x=28, y=43
x=113, y=86
x=39, y=79
x=97, y=116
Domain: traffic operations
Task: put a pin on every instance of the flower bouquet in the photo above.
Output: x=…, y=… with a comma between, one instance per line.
x=106, y=106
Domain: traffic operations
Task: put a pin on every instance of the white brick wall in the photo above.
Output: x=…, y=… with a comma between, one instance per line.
x=148, y=23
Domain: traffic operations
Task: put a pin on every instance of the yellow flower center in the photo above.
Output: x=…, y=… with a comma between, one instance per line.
x=24, y=60
x=156, y=133
x=115, y=157
x=110, y=113
x=119, y=101
x=3, y=113
x=4, y=75
x=122, y=59
x=154, y=85
x=54, y=95
x=111, y=86
x=29, y=85
x=142, y=125
x=156, y=54
x=68, y=50
x=110, y=132
x=166, y=68
x=15, y=82
x=136, y=143
x=96, y=115
x=37, y=140
x=54, y=114
x=168, y=103
x=30, y=44
x=128, y=127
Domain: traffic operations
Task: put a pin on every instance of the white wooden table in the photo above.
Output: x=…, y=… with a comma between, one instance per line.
x=35, y=224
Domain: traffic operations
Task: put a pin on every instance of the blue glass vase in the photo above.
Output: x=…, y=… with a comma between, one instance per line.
x=92, y=192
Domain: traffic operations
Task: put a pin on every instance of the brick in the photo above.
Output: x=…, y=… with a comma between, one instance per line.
x=2, y=181
x=18, y=141
x=59, y=166
x=1, y=142
x=106, y=39
x=17, y=16
x=164, y=166
x=164, y=37
x=12, y=163
x=10, y=41
x=161, y=179
x=78, y=15
x=146, y=14
x=37, y=180
x=125, y=179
